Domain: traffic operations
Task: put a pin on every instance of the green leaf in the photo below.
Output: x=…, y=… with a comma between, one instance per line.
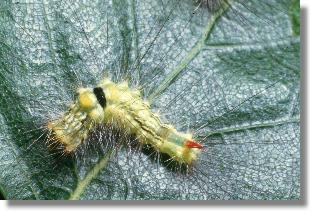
x=231, y=78
x=294, y=11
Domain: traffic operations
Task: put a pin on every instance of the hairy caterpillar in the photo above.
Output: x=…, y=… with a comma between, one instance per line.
x=116, y=104
x=210, y=97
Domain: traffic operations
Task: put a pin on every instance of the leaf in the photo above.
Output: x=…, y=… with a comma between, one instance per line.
x=232, y=78
x=294, y=11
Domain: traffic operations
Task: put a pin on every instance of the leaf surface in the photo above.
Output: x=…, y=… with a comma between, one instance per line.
x=231, y=78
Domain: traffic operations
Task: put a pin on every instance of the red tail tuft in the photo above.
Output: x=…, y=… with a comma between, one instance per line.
x=193, y=144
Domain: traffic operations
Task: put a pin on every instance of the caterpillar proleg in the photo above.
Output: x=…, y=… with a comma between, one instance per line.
x=116, y=104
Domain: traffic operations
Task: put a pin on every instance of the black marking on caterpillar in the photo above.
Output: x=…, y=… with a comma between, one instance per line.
x=100, y=96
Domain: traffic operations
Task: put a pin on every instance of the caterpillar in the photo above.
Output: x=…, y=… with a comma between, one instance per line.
x=202, y=92
x=116, y=104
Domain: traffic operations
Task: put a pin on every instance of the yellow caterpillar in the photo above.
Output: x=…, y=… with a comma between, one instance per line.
x=117, y=104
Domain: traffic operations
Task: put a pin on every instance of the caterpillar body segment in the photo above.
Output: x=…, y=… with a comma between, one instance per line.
x=117, y=104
